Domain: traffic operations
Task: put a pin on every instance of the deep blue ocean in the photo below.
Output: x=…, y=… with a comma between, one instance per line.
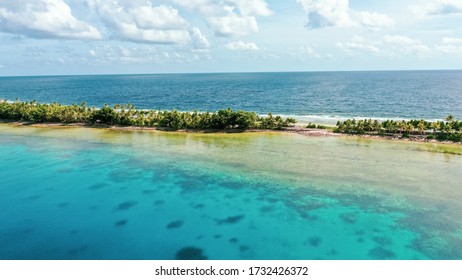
x=309, y=96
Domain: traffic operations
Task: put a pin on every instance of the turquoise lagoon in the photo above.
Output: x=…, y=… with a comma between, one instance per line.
x=83, y=193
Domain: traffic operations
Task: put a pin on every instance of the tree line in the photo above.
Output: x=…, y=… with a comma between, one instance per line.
x=447, y=130
x=128, y=115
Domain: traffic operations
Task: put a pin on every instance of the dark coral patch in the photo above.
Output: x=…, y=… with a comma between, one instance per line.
x=120, y=223
x=63, y=204
x=382, y=240
x=314, y=241
x=159, y=202
x=333, y=252
x=190, y=253
x=98, y=186
x=380, y=253
x=126, y=205
x=34, y=197
x=78, y=250
x=230, y=220
x=266, y=209
x=233, y=240
x=348, y=218
x=309, y=217
x=243, y=248
x=175, y=224
x=148, y=192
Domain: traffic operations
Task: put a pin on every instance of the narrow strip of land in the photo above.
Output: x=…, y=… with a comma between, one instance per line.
x=128, y=117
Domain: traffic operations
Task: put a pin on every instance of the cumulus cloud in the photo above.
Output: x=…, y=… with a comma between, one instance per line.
x=233, y=25
x=388, y=46
x=140, y=54
x=450, y=45
x=229, y=18
x=251, y=7
x=326, y=13
x=437, y=7
x=374, y=20
x=44, y=19
x=358, y=43
x=406, y=44
x=144, y=23
x=200, y=42
x=451, y=40
x=337, y=13
x=241, y=46
x=122, y=54
x=304, y=52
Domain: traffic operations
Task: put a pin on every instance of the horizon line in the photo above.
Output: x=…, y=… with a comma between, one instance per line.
x=227, y=72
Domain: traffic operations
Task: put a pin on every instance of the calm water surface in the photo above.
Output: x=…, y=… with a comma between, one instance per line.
x=79, y=193
x=313, y=96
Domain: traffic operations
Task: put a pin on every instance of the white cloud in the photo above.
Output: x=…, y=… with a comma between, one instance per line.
x=358, y=43
x=199, y=39
x=213, y=7
x=328, y=13
x=251, y=7
x=337, y=13
x=44, y=19
x=450, y=49
x=374, y=20
x=450, y=45
x=304, y=52
x=451, y=40
x=437, y=7
x=142, y=23
x=229, y=18
x=400, y=40
x=404, y=44
x=388, y=46
x=241, y=46
x=233, y=25
x=141, y=54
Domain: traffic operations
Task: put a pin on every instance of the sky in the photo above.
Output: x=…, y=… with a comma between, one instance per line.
x=64, y=37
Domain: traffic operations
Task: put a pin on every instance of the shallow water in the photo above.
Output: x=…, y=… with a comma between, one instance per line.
x=79, y=193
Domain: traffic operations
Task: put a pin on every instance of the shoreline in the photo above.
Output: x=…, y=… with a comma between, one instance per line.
x=297, y=129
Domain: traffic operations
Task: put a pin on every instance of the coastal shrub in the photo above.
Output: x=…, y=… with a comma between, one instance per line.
x=105, y=115
x=448, y=130
x=129, y=115
x=311, y=125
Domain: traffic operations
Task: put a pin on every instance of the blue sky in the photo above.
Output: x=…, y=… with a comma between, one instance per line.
x=43, y=37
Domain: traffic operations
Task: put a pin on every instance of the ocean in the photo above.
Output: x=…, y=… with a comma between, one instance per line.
x=323, y=97
x=94, y=193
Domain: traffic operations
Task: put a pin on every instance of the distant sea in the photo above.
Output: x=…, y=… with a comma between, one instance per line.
x=308, y=96
x=89, y=193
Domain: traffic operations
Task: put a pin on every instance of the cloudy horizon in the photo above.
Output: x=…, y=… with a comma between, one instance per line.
x=52, y=37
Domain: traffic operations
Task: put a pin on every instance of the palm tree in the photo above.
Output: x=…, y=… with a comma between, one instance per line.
x=435, y=126
x=421, y=127
x=449, y=118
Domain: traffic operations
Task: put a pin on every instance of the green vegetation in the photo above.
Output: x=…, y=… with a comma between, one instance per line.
x=318, y=126
x=447, y=130
x=130, y=116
